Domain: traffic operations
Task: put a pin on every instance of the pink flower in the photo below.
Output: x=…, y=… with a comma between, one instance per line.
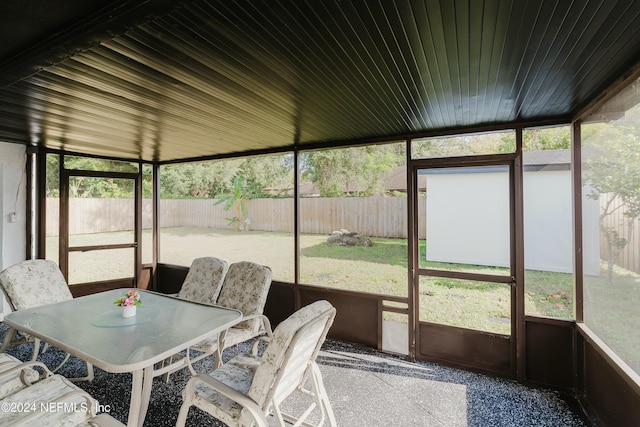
x=131, y=298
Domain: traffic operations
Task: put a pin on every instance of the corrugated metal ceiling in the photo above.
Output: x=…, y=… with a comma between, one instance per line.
x=161, y=82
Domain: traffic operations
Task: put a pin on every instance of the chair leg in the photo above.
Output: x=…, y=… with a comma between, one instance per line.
x=36, y=349
x=188, y=391
x=280, y=417
x=8, y=339
x=217, y=359
x=170, y=361
x=193, y=371
x=61, y=363
x=166, y=362
x=89, y=377
x=322, y=394
x=321, y=401
x=90, y=374
x=182, y=415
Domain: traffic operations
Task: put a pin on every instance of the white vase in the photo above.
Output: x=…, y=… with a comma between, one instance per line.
x=129, y=311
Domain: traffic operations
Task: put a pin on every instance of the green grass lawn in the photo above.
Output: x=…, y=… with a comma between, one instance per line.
x=610, y=308
x=380, y=269
x=612, y=311
x=482, y=306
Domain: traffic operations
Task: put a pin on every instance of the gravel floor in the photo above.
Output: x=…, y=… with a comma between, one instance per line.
x=366, y=388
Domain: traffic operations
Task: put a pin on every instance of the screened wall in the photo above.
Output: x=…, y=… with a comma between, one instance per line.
x=610, y=181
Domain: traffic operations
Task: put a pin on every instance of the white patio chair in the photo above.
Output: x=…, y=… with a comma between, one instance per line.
x=33, y=283
x=202, y=284
x=40, y=397
x=245, y=288
x=204, y=280
x=248, y=388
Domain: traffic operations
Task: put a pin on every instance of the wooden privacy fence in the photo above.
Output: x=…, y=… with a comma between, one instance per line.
x=372, y=216
x=630, y=256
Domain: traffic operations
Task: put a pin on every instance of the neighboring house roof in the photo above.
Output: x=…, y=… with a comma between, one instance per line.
x=547, y=159
x=396, y=179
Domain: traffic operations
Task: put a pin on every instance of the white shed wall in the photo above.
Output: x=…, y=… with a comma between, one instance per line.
x=468, y=220
x=548, y=221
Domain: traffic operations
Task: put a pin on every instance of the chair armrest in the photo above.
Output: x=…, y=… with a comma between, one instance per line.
x=25, y=365
x=232, y=394
x=265, y=321
x=221, y=336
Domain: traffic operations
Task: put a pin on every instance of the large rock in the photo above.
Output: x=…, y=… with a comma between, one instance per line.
x=348, y=238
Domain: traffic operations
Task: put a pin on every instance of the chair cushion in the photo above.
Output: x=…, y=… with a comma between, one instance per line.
x=237, y=374
x=43, y=408
x=33, y=283
x=275, y=352
x=245, y=288
x=204, y=280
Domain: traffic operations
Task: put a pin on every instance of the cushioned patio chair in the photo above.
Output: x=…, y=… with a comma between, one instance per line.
x=202, y=284
x=47, y=399
x=249, y=388
x=204, y=280
x=29, y=284
x=245, y=288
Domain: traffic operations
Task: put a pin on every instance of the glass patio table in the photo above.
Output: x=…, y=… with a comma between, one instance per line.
x=91, y=328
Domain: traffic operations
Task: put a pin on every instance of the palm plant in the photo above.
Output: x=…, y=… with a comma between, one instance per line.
x=237, y=199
